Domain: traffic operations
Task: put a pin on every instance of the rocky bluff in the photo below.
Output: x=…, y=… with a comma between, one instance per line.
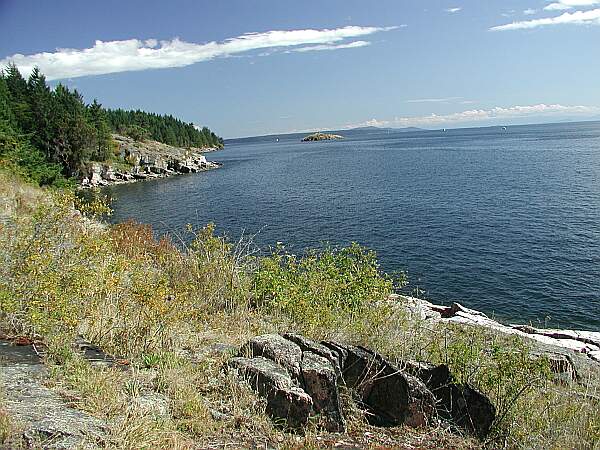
x=144, y=160
x=301, y=378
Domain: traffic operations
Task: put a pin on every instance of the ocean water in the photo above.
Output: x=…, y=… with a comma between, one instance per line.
x=504, y=221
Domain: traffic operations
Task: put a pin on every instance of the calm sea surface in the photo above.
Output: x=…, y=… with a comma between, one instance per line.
x=507, y=222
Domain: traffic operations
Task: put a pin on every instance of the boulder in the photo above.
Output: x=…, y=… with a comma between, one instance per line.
x=422, y=408
x=158, y=170
x=560, y=364
x=319, y=381
x=276, y=348
x=286, y=402
x=306, y=345
x=299, y=377
x=96, y=179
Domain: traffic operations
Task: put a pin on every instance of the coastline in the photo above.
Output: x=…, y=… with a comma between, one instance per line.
x=585, y=343
x=145, y=161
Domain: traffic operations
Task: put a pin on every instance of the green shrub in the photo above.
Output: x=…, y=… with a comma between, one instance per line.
x=21, y=158
x=323, y=286
x=137, y=133
x=500, y=366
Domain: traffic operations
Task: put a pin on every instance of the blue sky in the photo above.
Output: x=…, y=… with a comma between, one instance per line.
x=325, y=64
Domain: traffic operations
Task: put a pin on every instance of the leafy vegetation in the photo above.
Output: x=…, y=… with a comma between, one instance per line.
x=320, y=288
x=49, y=135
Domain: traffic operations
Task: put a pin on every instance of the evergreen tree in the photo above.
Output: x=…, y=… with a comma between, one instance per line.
x=41, y=108
x=100, y=123
x=7, y=118
x=165, y=129
x=17, y=87
x=73, y=137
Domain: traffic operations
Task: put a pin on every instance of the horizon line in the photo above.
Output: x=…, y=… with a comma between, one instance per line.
x=417, y=129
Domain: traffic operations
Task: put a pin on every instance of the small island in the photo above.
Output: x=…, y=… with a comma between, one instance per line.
x=321, y=137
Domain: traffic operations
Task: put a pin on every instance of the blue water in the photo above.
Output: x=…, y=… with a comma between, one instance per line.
x=507, y=222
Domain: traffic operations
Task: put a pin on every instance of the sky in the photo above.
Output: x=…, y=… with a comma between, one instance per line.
x=253, y=67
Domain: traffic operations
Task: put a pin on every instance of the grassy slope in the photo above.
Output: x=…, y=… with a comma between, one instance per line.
x=160, y=308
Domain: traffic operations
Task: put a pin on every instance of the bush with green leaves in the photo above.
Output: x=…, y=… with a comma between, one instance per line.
x=324, y=285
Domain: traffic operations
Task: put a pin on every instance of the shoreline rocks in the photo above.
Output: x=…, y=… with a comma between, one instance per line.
x=582, y=342
x=146, y=160
x=45, y=420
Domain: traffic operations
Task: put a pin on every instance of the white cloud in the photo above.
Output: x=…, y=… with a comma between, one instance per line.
x=591, y=17
x=483, y=115
x=453, y=10
x=529, y=11
x=561, y=5
x=556, y=7
x=135, y=54
x=313, y=48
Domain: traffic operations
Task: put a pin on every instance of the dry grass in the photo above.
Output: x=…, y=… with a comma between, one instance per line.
x=9, y=430
x=17, y=197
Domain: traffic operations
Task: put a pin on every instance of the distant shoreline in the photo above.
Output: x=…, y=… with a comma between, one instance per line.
x=410, y=129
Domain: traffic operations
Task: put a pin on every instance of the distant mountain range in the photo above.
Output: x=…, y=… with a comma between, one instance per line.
x=405, y=130
x=344, y=132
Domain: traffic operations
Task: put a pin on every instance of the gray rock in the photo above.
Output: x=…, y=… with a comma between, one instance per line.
x=93, y=354
x=277, y=349
x=151, y=403
x=320, y=382
x=158, y=170
x=358, y=364
x=47, y=422
x=15, y=355
x=560, y=364
x=286, y=402
x=306, y=345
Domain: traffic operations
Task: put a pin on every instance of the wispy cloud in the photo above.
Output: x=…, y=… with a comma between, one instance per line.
x=569, y=4
x=453, y=10
x=433, y=100
x=316, y=48
x=136, y=54
x=529, y=11
x=591, y=17
x=475, y=116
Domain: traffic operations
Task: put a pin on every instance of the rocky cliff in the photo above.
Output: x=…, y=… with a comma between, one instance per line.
x=144, y=160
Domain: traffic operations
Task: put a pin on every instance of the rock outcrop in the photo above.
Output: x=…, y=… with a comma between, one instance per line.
x=300, y=378
x=43, y=417
x=562, y=341
x=297, y=384
x=321, y=137
x=146, y=160
x=285, y=400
